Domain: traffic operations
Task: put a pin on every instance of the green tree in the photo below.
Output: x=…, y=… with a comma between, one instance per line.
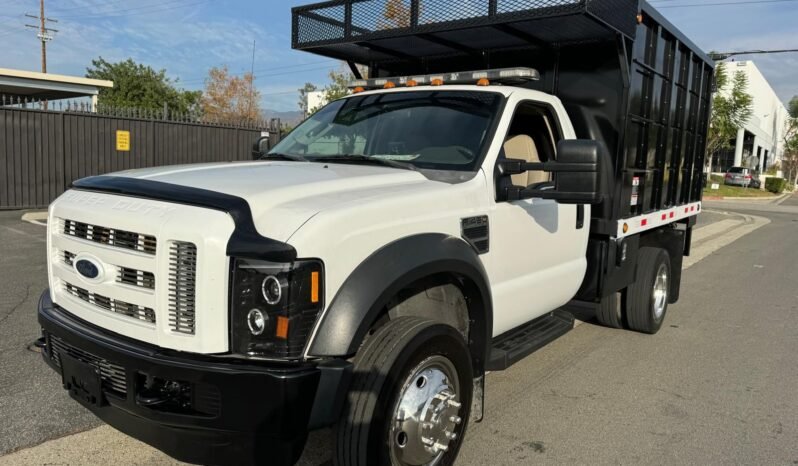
x=337, y=88
x=339, y=85
x=140, y=86
x=789, y=163
x=732, y=107
x=303, y=96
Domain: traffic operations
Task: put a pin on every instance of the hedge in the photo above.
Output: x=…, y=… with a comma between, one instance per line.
x=776, y=185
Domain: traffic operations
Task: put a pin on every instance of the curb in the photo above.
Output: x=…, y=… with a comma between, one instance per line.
x=34, y=216
x=754, y=199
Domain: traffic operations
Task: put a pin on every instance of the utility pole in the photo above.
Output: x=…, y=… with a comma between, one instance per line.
x=45, y=34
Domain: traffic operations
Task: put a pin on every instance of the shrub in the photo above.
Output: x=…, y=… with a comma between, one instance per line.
x=775, y=185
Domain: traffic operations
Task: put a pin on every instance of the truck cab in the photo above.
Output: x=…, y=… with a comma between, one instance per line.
x=369, y=270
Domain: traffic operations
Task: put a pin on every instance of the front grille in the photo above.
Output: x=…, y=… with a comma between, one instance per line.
x=69, y=258
x=112, y=375
x=110, y=236
x=182, y=287
x=113, y=305
x=137, y=278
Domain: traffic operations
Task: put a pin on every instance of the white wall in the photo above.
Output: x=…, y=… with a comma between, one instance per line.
x=769, y=120
x=315, y=100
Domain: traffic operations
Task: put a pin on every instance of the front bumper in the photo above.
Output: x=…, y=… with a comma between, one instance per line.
x=230, y=411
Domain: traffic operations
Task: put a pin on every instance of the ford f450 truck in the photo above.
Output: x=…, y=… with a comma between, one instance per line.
x=501, y=160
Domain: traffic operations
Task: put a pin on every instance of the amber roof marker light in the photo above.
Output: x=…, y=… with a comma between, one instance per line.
x=480, y=78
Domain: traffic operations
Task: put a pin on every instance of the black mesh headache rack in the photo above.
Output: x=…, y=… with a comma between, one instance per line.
x=367, y=31
x=625, y=75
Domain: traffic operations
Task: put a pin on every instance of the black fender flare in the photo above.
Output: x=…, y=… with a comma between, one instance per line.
x=368, y=290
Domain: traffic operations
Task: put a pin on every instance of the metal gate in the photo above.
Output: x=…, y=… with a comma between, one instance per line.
x=43, y=150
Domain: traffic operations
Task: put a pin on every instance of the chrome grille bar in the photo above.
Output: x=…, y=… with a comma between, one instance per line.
x=182, y=287
x=110, y=304
x=110, y=236
x=135, y=277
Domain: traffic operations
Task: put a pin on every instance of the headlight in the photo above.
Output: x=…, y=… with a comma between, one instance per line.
x=274, y=306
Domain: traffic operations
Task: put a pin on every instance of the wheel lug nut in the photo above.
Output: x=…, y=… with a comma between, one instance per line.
x=427, y=441
x=456, y=419
x=451, y=435
x=441, y=447
x=454, y=404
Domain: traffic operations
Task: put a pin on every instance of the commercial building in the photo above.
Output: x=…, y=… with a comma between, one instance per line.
x=760, y=143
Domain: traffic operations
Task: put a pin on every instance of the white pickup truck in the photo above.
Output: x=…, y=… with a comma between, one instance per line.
x=367, y=271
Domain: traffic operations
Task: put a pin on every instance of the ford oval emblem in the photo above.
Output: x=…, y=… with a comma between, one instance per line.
x=88, y=269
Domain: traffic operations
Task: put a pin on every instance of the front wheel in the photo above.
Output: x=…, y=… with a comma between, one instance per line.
x=410, y=397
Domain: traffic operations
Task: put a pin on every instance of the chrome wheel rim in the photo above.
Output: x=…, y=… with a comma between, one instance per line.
x=426, y=415
x=660, y=293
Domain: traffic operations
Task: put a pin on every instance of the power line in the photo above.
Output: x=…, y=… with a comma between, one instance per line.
x=45, y=34
x=719, y=56
x=142, y=10
x=292, y=67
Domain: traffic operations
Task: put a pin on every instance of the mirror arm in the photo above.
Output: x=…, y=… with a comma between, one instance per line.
x=516, y=193
x=517, y=166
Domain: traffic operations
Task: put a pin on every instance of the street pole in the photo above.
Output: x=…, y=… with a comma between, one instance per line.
x=45, y=34
x=44, y=43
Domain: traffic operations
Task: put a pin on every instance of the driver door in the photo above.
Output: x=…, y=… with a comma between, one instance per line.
x=537, y=258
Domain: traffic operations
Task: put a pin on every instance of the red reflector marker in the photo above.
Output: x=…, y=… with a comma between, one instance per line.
x=644, y=222
x=664, y=216
x=672, y=214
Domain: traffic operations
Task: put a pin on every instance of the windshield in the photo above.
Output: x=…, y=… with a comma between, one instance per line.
x=440, y=130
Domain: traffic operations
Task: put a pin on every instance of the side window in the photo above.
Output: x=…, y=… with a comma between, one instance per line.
x=532, y=137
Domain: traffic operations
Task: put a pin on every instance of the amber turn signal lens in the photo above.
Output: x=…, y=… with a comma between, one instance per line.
x=625, y=227
x=483, y=82
x=282, y=327
x=358, y=90
x=314, y=287
x=389, y=85
x=412, y=83
x=437, y=82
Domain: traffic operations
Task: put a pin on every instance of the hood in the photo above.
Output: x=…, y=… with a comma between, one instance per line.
x=284, y=195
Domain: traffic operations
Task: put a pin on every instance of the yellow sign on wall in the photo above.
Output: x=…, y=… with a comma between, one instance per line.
x=123, y=141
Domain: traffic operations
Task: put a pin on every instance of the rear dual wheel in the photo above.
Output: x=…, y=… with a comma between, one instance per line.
x=643, y=304
x=410, y=397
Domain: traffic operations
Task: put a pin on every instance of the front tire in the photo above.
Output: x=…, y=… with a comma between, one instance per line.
x=647, y=297
x=410, y=397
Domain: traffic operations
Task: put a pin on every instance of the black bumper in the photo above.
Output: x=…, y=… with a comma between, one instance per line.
x=231, y=411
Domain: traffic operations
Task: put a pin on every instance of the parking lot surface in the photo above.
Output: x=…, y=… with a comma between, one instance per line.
x=715, y=386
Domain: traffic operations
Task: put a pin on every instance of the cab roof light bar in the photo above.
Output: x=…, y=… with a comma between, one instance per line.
x=509, y=76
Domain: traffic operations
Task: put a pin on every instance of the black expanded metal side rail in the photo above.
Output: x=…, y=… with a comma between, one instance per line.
x=360, y=22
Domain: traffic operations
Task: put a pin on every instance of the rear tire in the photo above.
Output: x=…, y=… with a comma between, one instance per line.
x=406, y=360
x=610, y=311
x=647, y=297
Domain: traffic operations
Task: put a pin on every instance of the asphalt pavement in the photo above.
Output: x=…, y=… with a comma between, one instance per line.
x=715, y=386
x=33, y=407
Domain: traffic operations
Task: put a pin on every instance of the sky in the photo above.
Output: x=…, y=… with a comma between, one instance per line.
x=188, y=37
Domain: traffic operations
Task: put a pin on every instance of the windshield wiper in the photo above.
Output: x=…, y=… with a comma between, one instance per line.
x=366, y=159
x=278, y=156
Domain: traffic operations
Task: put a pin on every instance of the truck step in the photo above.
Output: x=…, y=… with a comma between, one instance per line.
x=511, y=347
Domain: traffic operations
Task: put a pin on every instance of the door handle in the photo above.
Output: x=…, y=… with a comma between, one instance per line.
x=580, y=216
